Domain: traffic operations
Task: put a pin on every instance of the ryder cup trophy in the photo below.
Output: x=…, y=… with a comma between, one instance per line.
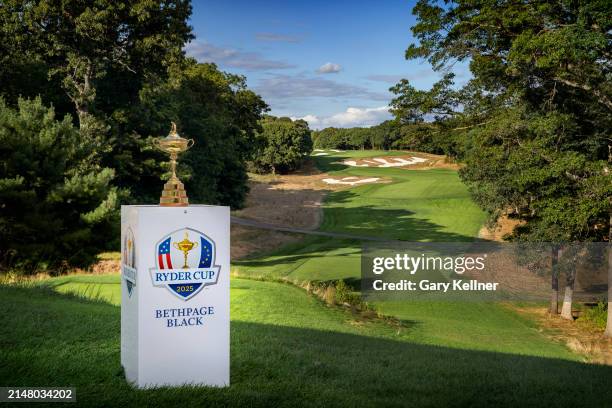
x=174, y=194
x=175, y=286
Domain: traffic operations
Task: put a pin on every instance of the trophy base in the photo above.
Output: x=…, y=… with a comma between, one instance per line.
x=174, y=194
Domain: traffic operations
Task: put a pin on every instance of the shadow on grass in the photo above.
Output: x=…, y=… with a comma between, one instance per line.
x=394, y=224
x=344, y=215
x=310, y=248
x=367, y=221
x=331, y=163
x=48, y=339
x=371, y=221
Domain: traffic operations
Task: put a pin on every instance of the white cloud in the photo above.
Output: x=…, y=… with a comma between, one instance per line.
x=282, y=86
x=352, y=117
x=309, y=118
x=204, y=51
x=329, y=68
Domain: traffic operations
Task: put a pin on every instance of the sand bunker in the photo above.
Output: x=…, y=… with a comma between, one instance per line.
x=385, y=162
x=351, y=181
x=324, y=152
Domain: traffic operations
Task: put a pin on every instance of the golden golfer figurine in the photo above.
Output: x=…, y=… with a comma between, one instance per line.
x=185, y=245
x=174, y=194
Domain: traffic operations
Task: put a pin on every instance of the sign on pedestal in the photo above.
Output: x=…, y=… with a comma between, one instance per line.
x=175, y=295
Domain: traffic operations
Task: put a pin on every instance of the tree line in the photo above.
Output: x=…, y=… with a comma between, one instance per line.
x=388, y=135
x=84, y=87
x=532, y=125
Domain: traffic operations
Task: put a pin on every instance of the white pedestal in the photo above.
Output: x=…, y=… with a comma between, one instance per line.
x=175, y=316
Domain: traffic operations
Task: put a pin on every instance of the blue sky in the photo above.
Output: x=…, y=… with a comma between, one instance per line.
x=329, y=62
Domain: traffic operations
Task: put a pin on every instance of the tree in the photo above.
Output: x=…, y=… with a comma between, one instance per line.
x=349, y=138
x=57, y=204
x=391, y=134
x=533, y=123
x=86, y=43
x=412, y=105
x=329, y=138
x=119, y=68
x=381, y=135
x=283, y=145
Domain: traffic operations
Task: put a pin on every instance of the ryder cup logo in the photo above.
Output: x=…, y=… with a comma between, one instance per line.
x=185, y=263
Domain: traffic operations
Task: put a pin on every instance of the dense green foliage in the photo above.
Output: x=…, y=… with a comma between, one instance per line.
x=118, y=69
x=289, y=349
x=596, y=315
x=56, y=200
x=283, y=144
x=110, y=65
x=391, y=134
x=219, y=113
x=100, y=52
x=344, y=138
x=533, y=124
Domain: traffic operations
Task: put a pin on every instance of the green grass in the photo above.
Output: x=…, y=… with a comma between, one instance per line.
x=466, y=325
x=417, y=205
x=287, y=349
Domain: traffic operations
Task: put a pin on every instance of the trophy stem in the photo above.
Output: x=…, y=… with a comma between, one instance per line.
x=173, y=158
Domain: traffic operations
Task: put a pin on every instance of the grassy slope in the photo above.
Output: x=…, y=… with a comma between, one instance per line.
x=287, y=349
x=420, y=205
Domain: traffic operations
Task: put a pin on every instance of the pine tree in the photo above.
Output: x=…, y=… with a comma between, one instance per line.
x=57, y=208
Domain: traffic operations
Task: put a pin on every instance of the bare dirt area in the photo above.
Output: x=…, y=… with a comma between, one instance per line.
x=246, y=241
x=576, y=335
x=504, y=226
x=106, y=266
x=292, y=200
